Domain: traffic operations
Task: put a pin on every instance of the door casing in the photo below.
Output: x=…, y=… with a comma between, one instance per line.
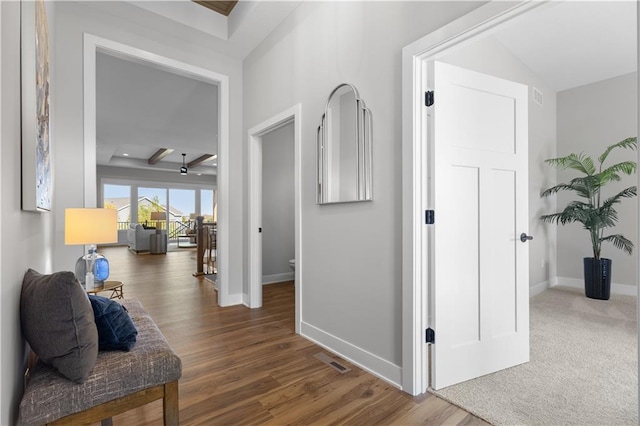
x=291, y=115
x=415, y=131
x=93, y=44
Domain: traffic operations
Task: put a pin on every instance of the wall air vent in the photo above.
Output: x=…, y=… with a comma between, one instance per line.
x=537, y=96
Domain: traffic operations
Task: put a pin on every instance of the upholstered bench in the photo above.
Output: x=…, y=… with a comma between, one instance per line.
x=118, y=382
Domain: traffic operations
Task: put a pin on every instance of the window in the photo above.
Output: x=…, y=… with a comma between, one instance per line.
x=118, y=197
x=206, y=205
x=137, y=203
x=150, y=200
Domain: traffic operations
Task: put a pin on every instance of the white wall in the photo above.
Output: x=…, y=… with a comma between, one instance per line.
x=278, y=233
x=490, y=57
x=590, y=118
x=118, y=22
x=26, y=237
x=350, y=253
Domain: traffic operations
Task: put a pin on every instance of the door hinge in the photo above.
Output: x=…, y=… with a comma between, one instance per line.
x=430, y=335
x=429, y=217
x=428, y=98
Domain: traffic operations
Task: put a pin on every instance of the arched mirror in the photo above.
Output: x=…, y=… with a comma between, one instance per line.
x=344, y=148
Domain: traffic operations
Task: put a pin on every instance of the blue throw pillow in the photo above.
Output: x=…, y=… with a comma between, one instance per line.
x=115, y=328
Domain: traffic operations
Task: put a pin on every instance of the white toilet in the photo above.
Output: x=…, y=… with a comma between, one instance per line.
x=292, y=264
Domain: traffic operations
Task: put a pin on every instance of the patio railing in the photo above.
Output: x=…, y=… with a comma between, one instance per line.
x=176, y=227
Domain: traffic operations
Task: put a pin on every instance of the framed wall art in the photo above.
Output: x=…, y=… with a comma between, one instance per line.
x=36, y=146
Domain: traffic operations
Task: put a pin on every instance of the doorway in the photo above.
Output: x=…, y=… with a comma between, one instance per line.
x=94, y=45
x=278, y=232
x=416, y=273
x=291, y=116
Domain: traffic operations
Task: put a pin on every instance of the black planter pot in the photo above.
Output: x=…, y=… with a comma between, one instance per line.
x=597, y=278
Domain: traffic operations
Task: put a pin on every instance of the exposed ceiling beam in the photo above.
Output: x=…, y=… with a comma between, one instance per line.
x=221, y=6
x=159, y=155
x=201, y=159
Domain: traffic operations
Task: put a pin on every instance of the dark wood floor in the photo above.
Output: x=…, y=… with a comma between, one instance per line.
x=244, y=366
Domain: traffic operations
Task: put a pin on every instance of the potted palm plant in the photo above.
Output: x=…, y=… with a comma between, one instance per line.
x=595, y=212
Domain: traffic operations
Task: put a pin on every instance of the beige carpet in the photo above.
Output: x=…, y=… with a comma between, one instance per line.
x=583, y=368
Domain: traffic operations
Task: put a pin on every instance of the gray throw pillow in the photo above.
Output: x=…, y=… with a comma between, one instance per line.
x=57, y=321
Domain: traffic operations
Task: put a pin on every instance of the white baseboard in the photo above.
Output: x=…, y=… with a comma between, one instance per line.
x=278, y=278
x=623, y=289
x=375, y=365
x=539, y=288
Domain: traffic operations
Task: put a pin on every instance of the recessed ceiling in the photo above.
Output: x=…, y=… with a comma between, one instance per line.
x=574, y=43
x=235, y=35
x=142, y=109
x=220, y=6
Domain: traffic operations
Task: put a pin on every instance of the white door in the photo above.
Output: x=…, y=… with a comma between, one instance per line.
x=480, y=266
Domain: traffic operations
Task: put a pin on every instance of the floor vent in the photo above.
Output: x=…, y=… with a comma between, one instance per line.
x=537, y=96
x=332, y=363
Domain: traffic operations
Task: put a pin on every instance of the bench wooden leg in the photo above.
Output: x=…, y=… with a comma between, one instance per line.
x=170, y=404
x=103, y=412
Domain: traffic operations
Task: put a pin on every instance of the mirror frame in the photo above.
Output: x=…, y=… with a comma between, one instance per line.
x=363, y=152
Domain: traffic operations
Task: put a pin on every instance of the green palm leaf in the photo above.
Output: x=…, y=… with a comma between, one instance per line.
x=619, y=242
x=628, y=143
x=630, y=192
x=626, y=167
x=585, y=187
x=579, y=162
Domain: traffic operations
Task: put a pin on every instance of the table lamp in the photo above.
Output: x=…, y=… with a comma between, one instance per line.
x=91, y=227
x=158, y=216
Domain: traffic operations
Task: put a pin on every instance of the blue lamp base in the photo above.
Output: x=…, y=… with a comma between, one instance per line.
x=95, y=263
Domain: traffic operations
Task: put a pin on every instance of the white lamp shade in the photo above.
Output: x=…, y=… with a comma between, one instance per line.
x=158, y=216
x=90, y=226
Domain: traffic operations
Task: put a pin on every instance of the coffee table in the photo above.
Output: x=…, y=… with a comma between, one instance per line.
x=115, y=287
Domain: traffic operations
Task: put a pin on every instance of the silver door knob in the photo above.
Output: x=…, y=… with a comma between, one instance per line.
x=524, y=237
